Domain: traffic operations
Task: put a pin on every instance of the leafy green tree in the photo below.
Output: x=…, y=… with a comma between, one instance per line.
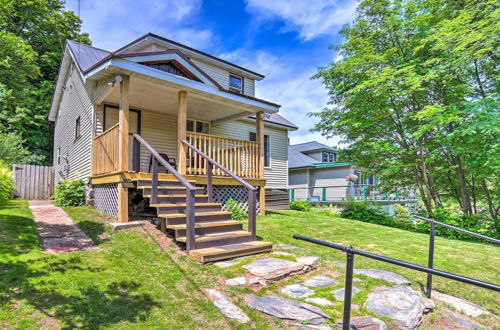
x=32, y=37
x=413, y=79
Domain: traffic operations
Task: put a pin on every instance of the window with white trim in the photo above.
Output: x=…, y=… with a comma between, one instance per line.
x=328, y=157
x=235, y=83
x=267, y=148
x=197, y=126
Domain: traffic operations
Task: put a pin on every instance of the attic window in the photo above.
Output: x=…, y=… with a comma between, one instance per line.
x=235, y=83
x=328, y=157
x=167, y=67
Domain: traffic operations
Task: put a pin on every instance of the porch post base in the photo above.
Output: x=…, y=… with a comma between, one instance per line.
x=122, y=202
x=262, y=200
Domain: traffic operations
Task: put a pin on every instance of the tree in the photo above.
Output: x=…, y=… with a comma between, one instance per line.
x=410, y=77
x=32, y=37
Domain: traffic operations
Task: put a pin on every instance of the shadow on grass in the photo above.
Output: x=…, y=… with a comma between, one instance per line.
x=94, y=230
x=35, y=279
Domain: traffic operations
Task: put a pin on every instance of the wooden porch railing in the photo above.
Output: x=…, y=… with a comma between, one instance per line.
x=240, y=157
x=105, y=151
x=211, y=166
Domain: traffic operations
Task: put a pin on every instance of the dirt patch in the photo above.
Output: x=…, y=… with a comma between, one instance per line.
x=439, y=321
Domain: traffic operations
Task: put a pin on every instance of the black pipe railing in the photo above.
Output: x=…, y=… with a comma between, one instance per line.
x=430, y=260
x=350, y=253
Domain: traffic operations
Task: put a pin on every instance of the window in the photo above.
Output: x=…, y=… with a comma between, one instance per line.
x=77, y=128
x=236, y=83
x=267, y=148
x=328, y=157
x=198, y=126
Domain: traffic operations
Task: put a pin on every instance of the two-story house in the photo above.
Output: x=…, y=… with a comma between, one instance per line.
x=159, y=119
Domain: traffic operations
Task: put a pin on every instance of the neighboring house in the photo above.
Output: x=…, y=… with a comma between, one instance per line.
x=315, y=174
x=171, y=95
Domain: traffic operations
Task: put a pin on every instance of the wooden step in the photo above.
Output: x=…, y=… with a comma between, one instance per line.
x=184, y=205
x=171, y=208
x=174, y=196
x=207, y=224
x=208, y=227
x=217, y=236
x=180, y=218
x=179, y=198
x=229, y=251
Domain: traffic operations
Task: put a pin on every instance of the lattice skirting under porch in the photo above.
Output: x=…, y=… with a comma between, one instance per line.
x=106, y=198
x=222, y=193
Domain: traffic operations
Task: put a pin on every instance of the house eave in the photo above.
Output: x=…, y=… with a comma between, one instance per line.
x=195, y=52
x=181, y=82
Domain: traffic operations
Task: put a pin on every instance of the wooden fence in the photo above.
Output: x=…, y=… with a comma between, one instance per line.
x=33, y=182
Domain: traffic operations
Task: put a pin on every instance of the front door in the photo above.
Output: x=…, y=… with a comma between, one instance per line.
x=111, y=119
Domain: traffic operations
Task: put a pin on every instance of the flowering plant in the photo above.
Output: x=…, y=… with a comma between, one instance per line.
x=351, y=178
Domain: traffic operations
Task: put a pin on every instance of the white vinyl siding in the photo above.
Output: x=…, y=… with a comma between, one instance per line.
x=158, y=129
x=75, y=102
x=221, y=76
x=277, y=174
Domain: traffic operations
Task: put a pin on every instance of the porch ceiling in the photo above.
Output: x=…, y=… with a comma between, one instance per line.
x=150, y=93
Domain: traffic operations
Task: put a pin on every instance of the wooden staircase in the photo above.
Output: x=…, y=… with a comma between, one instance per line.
x=217, y=236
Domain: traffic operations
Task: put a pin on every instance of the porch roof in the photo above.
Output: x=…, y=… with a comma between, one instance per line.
x=98, y=64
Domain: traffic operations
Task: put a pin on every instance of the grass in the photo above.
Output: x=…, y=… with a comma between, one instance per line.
x=128, y=282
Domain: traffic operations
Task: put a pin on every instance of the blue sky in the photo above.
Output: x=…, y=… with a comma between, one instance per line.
x=286, y=40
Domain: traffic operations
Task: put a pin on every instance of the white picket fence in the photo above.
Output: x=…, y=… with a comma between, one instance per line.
x=33, y=182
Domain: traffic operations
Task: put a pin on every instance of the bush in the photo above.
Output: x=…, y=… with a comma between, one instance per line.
x=363, y=211
x=70, y=193
x=401, y=213
x=329, y=210
x=301, y=206
x=12, y=151
x=477, y=223
x=239, y=210
x=6, y=183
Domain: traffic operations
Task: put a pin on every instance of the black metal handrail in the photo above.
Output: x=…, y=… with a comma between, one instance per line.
x=350, y=252
x=190, y=190
x=430, y=259
x=252, y=191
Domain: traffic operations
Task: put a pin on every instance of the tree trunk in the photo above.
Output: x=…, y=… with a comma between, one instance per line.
x=427, y=202
x=463, y=187
x=491, y=207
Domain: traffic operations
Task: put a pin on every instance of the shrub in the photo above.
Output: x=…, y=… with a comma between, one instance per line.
x=12, y=151
x=477, y=223
x=70, y=193
x=239, y=210
x=401, y=213
x=329, y=210
x=301, y=206
x=360, y=210
x=6, y=183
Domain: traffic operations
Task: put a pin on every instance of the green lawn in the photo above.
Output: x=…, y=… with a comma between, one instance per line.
x=130, y=283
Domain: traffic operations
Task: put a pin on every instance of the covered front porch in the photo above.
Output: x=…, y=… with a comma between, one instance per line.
x=165, y=114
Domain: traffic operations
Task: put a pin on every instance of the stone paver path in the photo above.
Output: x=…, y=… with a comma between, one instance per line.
x=57, y=230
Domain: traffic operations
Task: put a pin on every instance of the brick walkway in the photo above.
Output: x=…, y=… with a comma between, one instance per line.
x=57, y=230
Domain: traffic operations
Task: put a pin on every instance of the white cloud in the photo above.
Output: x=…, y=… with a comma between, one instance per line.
x=113, y=23
x=288, y=84
x=309, y=18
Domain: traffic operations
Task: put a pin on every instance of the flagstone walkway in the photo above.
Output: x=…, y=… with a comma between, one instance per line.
x=57, y=230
